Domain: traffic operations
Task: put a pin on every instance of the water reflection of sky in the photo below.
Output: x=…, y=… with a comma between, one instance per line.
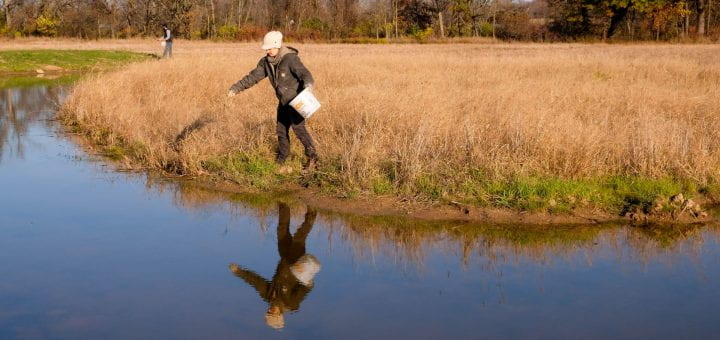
x=90, y=253
x=20, y=108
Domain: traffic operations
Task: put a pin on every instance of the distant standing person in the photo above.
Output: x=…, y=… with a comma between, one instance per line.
x=168, y=39
x=288, y=77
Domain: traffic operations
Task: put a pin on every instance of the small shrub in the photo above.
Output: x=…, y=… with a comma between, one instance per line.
x=423, y=35
x=249, y=32
x=382, y=186
x=46, y=26
x=227, y=32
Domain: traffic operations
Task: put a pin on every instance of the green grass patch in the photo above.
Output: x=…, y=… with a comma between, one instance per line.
x=382, y=186
x=254, y=170
x=428, y=186
x=115, y=153
x=612, y=194
x=27, y=82
x=69, y=60
x=556, y=195
x=559, y=195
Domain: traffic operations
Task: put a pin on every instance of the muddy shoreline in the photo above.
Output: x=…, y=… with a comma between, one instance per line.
x=389, y=206
x=393, y=207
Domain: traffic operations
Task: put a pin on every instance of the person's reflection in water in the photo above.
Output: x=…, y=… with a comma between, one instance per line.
x=294, y=274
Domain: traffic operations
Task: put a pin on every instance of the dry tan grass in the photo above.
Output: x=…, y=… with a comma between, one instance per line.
x=403, y=112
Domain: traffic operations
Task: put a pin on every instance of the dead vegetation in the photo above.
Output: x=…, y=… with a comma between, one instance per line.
x=429, y=120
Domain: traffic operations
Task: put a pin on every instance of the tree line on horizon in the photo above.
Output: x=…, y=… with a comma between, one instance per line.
x=365, y=20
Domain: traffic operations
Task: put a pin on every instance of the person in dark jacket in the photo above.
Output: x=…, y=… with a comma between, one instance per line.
x=288, y=77
x=292, y=281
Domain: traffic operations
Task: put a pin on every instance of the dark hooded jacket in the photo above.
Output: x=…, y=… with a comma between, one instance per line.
x=284, y=290
x=287, y=74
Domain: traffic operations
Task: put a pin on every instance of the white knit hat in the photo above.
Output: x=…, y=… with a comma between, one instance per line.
x=273, y=39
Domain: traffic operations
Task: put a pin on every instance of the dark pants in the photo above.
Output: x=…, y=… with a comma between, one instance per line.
x=287, y=117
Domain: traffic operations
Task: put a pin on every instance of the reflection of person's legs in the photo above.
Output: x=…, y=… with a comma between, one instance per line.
x=283, y=229
x=302, y=232
x=291, y=247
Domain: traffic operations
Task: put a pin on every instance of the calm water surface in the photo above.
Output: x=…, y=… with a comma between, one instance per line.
x=88, y=252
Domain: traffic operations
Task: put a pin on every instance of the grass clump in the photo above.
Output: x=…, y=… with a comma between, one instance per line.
x=254, y=170
x=115, y=152
x=563, y=195
x=711, y=191
x=554, y=194
x=382, y=186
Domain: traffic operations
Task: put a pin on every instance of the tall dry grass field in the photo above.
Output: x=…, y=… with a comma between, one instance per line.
x=412, y=116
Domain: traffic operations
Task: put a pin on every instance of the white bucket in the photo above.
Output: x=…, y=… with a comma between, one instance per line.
x=305, y=268
x=163, y=43
x=305, y=103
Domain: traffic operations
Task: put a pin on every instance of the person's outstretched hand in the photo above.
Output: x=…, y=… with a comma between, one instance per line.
x=231, y=93
x=234, y=268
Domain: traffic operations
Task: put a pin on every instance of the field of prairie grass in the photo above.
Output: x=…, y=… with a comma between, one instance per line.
x=527, y=126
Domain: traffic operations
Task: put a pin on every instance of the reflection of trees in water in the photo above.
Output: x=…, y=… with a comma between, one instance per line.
x=491, y=246
x=648, y=242
x=202, y=201
x=19, y=109
x=409, y=243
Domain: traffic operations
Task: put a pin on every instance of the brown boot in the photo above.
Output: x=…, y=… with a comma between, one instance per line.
x=310, y=165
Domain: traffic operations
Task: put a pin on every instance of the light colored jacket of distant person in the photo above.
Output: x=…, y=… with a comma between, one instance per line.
x=287, y=74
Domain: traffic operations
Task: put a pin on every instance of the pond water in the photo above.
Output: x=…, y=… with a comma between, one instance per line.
x=91, y=252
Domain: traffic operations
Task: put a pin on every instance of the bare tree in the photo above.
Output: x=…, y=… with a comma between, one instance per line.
x=7, y=7
x=701, y=12
x=440, y=7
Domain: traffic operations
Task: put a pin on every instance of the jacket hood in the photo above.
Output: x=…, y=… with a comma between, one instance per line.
x=285, y=50
x=290, y=49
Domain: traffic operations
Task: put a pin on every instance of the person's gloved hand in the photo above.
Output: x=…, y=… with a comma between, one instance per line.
x=231, y=93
